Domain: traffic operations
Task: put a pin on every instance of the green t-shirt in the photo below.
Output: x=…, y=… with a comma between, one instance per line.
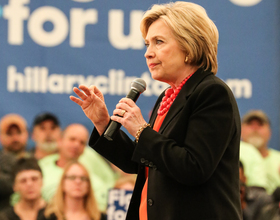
x=253, y=163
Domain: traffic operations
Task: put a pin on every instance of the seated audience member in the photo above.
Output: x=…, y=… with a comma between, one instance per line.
x=46, y=133
x=14, y=134
x=271, y=211
x=72, y=146
x=252, y=198
x=253, y=161
x=74, y=198
x=7, y=161
x=255, y=129
x=13, y=139
x=27, y=178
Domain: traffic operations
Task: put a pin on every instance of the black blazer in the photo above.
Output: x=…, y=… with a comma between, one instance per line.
x=193, y=159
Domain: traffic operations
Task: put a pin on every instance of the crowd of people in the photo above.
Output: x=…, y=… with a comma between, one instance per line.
x=34, y=179
x=60, y=177
x=259, y=169
x=187, y=158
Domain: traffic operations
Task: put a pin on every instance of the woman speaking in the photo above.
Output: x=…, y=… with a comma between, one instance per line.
x=187, y=155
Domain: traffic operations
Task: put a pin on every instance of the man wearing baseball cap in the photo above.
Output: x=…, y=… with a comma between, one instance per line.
x=256, y=130
x=46, y=133
x=13, y=134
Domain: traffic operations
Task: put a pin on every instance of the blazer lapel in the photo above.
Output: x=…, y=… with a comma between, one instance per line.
x=181, y=98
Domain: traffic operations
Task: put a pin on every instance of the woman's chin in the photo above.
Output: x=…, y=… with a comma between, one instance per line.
x=156, y=76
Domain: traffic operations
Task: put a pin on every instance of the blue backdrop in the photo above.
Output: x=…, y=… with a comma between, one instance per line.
x=49, y=46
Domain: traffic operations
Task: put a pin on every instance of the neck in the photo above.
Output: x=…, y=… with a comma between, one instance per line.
x=17, y=153
x=190, y=70
x=27, y=205
x=74, y=204
x=264, y=151
x=62, y=161
x=39, y=154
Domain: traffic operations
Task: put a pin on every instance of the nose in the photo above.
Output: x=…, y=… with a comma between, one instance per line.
x=77, y=144
x=149, y=52
x=255, y=125
x=78, y=179
x=16, y=137
x=29, y=182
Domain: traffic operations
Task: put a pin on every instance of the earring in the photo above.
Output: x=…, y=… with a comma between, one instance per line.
x=186, y=60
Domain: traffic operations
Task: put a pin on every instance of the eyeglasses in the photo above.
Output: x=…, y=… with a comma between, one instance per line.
x=73, y=178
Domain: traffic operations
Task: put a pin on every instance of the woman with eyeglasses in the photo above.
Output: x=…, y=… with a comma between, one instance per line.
x=74, y=198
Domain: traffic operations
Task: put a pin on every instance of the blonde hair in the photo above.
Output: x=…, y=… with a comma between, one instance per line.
x=57, y=204
x=126, y=179
x=195, y=32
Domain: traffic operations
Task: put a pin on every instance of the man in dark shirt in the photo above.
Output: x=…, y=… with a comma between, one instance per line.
x=27, y=182
x=253, y=199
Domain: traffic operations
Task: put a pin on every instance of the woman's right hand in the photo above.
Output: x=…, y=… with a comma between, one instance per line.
x=92, y=102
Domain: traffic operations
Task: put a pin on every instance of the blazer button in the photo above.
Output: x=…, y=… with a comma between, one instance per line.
x=146, y=162
x=151, y=164
x=142, y=160
x=154, y=167
x=150, y=202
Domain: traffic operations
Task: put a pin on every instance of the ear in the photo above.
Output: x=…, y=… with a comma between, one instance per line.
x=60, y=142
x=32, y=135
x=15, y=188
x=41, y=181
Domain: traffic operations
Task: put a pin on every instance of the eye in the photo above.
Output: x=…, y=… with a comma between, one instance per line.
x=159, y=41
x=22, y=180
x=146, y=45
x=35, y=178
x=84, y=178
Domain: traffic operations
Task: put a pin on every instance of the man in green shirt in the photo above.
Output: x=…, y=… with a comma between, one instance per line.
x=256, y=130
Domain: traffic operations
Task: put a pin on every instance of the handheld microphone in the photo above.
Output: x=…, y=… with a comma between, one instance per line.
x=138, y=86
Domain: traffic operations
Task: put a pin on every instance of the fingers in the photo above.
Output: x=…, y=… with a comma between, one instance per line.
x=85, y=89
x=96, y=91
x=119, y=112
x=76, y=100
x=80, y=93
x=116, y=118
x=126, y=104
x=127, y=101
x=83, y=94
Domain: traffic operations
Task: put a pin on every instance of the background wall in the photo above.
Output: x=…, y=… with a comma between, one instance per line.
x=49, y=46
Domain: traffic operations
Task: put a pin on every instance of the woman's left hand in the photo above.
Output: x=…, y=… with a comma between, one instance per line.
x=129, y=115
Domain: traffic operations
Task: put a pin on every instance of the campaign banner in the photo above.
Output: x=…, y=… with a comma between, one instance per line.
x=48, y=47
x=118, y=202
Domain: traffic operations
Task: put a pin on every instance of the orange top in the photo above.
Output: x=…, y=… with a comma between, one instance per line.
x=143, y=205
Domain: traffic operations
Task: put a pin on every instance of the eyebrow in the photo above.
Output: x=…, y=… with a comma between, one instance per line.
x=156, y=36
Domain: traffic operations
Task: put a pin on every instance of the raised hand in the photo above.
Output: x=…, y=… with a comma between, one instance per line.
x=92, y=102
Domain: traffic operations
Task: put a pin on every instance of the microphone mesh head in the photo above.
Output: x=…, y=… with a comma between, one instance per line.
x=139, y=85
